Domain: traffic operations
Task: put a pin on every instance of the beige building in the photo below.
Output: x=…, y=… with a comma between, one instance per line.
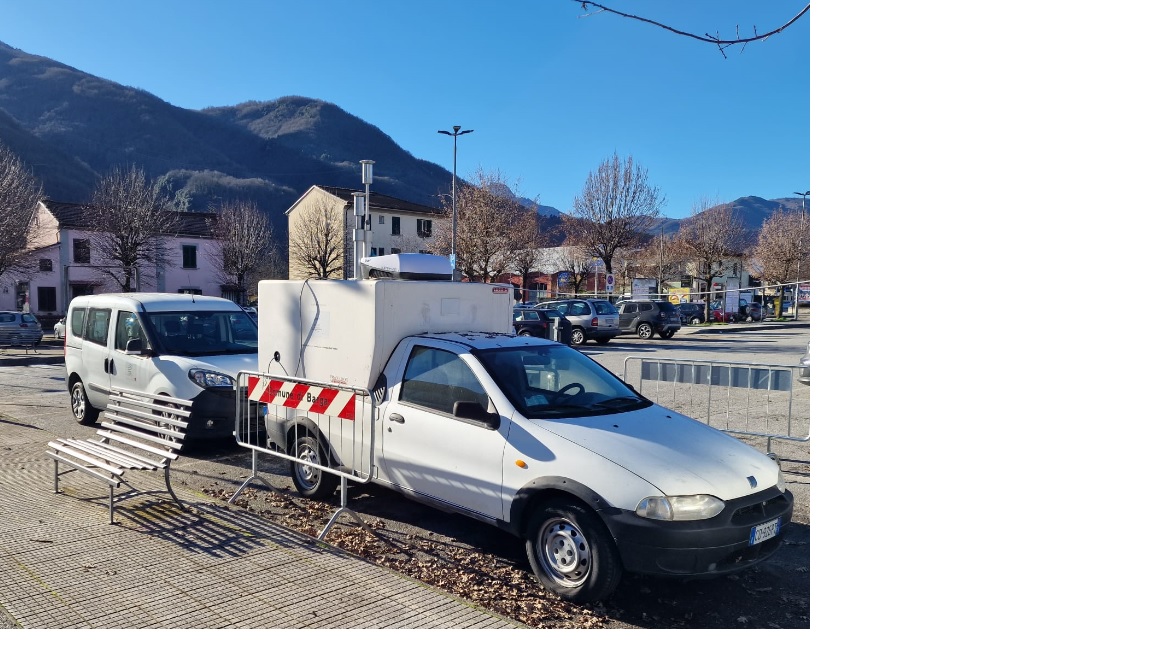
x=395, y=225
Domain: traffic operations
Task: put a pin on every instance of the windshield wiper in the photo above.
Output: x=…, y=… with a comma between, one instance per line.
x=621, y=403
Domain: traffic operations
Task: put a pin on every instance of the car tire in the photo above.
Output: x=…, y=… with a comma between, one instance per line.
x=309, y=482
x=667, y=335
x=644, y=331
x=603, y=340
x=524, y=333
x=578, y=337
x=571, y=551
x=82, y=409
x=695, y=320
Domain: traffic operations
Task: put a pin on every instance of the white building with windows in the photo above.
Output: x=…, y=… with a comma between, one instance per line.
x=65, y=265
x=395, y=226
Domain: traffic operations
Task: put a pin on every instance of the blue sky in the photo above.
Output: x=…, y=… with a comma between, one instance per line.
x=549, y=90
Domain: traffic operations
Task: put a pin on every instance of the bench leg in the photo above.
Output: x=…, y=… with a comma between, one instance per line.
x=111, y=505
x=168, y=483
x=55, y=475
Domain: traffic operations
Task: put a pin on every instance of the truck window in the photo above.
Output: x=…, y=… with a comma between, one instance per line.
x=128, y=328
x=436, y=379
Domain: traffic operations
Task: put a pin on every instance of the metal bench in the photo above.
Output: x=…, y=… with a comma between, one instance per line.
x=138, y=432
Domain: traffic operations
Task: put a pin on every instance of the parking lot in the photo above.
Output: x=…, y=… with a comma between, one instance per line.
x=772, y=595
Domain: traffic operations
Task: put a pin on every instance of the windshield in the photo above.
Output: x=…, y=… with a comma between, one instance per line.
x=604, y=308
x=203, y=333
x=557, y=382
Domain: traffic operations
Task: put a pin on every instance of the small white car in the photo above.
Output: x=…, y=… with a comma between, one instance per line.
x=58, y=329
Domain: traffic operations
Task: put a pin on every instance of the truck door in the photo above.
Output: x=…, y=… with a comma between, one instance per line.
x=125, y=371
x=428, y=451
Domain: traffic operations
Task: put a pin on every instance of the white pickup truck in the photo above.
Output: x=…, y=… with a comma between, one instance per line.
x=523, y=433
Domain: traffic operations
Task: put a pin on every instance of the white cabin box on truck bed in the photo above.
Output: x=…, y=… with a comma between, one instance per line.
x=343, y=331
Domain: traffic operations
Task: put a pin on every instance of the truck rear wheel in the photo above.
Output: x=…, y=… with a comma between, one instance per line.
x=82, y=409
x=310, y=482
x=571, y=552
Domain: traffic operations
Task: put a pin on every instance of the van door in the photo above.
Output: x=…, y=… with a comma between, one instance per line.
x=127, y=371
x=429, y=451
x=94, y=356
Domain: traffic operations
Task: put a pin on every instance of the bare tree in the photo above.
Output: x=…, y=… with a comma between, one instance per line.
x=129, y=224
x=715, y=39
x=486, y=214
x=316, y=241
x=577, y=264
x=709, y=238
x=245, y=244
x=660, y=259
x=526, y=247
x=20, y=195
x=617, y=209
x=783, y=250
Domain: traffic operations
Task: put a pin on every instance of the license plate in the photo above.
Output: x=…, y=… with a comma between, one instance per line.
x=762, y=532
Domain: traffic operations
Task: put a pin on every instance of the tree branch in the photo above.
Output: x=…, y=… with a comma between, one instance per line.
x=721, y=43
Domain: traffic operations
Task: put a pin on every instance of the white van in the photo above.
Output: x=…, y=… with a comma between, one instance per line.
x=186, y=346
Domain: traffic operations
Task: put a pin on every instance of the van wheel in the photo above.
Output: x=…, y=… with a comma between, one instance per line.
x=667, y=335
x=694, y=320
x=82, y=409
x=644, y=331
x=572, y=553
x=524, y=333
x=578, y=336
x=310, y=482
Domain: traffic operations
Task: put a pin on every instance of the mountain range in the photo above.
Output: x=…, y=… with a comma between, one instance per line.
x=71, y=127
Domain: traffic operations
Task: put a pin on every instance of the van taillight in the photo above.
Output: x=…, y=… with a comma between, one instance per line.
x=595, y=321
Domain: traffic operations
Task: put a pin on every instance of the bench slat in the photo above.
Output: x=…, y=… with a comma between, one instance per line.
x=111, y=454
x=83, y=468
x=97, y=463
x=160, y=452
x=111, y=425
x=181, y=422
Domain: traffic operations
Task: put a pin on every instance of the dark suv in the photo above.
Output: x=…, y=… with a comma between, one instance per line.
x=648, y=317
x=692, y=313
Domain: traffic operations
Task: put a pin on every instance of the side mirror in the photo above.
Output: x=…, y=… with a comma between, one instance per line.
x=134, y=347
x=473, y=411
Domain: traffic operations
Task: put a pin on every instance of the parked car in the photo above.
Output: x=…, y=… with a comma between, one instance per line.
x=187, y=346
x=691, y=313
x=591, y=319
x=646, y=318
x=717, y=313
x=58, y=329
x=529, y=321
x=751, y=311
x=20, y=329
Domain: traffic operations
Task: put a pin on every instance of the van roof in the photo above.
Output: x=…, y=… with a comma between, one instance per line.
x=157, y=302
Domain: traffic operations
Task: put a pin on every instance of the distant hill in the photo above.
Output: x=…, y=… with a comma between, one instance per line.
x=71, y=127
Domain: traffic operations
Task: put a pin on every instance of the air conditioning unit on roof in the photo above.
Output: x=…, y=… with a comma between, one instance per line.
x=408, y=266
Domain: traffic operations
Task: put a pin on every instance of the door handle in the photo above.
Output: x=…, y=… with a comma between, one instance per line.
x=395, y=417
x=111, y=366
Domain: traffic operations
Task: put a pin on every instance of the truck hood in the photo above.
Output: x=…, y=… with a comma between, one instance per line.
x=676, y=454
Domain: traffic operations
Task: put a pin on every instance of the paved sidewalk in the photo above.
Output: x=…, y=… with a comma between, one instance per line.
x=62, y=565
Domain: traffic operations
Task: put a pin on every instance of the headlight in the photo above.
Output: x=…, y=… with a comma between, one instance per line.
x=210, y=379
x=779, y=477
x=685, y=507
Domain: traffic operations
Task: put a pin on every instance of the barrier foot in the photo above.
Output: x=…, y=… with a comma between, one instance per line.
x=343, y=510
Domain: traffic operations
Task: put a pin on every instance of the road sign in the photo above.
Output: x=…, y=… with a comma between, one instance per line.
x=610, y=282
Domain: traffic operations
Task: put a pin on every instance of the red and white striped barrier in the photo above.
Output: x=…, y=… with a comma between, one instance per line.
x=314, y=398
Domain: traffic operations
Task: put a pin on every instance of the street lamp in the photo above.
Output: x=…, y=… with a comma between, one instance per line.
x=456, y=132
x=796, y=291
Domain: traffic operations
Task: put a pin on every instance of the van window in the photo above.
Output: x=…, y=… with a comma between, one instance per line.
x=128, y=328
x=202, y=333
x=436, y=379
x=76, y=324
x=604, y=308
x=96, y=329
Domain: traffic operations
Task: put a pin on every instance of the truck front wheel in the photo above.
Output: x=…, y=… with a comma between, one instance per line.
x=308, y=480
x=572, y=553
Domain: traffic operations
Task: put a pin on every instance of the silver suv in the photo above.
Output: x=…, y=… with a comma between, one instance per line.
x=19, y=329
x=592, y=319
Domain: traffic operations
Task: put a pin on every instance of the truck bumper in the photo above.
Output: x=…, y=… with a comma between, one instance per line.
x=700, y=548
x=213, y=415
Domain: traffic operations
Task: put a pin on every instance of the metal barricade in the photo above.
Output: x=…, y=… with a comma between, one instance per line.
x=346, y=416
x=734, y=397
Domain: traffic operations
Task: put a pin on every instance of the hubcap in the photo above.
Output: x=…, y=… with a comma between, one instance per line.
x=564, y=552
x=307, y=474
x=78, y=401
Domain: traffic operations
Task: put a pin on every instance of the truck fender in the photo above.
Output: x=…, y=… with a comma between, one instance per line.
x=540, y=489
